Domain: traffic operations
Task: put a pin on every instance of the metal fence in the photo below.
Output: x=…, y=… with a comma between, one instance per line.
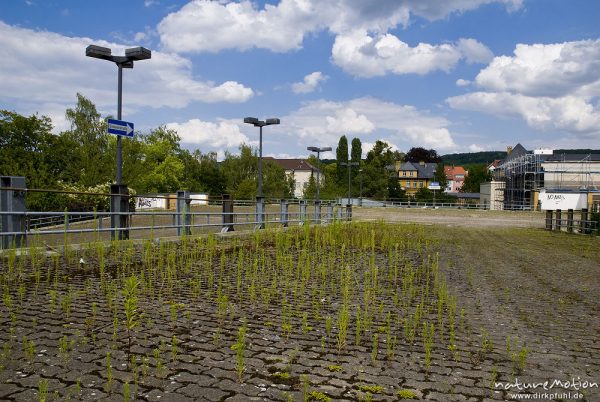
x=19, y=227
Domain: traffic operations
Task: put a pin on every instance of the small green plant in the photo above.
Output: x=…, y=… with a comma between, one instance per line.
x=43, y=390
x=334, y=368
x=373, y=389
x=406, y=394
x=130, y=305
x=126, y=391
x=374, y=348
x=523, y=357
x=29, y=349
x=109, y=372
x=240, y=349
x=305, y=327
x=317, y=396
x=486, y=344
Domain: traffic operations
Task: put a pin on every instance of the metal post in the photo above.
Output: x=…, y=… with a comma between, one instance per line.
x=119, y=178
x=12, y=201
x=558, y=220
x=284, y=215
x=339, y=212
x=260, y=175
x=318, y=172
x=260, y=212
x=549, y=219
x=349, y=212
x=227, y=214
x=570, y=221
x=119, y=208
x=317, y=211
x=584, y=222
x=183, y=213
x=329, y=211
x=302, y=211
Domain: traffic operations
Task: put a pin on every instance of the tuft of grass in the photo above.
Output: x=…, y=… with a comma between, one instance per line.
x=373, y=389
x=334, y=368
x=406, y=394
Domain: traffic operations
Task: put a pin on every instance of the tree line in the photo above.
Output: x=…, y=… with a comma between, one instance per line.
x=81, y=160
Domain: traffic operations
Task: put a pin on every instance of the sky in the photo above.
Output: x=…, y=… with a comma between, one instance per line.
x=452, y=75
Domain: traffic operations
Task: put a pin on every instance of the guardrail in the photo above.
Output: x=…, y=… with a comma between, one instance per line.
x=160, y=223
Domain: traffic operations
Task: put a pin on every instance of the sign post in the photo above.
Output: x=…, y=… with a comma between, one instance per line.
x=434, y=185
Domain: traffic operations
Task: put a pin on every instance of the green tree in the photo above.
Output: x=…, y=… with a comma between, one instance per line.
x=440, y=176
x=356, y=150
x=163, y=167
x=378, y=169
x=341, y=154
x=93, y=159
x=477, y=174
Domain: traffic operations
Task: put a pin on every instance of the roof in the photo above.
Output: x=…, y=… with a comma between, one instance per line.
x=471, y=196
x=407, y=166
x=424, y=171
x=452, y=171
x=516, y=152
x=573, y=158
x=293, y=164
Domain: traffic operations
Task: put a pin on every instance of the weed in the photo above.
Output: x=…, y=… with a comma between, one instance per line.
x=334, y=368
x=240, y=349
x=406, y=394
x=373, y=389
x=43, y=390
x=374, y=348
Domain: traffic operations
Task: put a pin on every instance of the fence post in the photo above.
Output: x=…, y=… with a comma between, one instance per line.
x=227, y=214
x=339, y=212
x=12, y=201
x=349, y=212
x=584, y=221
x=183, y=213
x=570, y=221
x=549, y=219
x=260, y=212
x=119, y=208
x=329, y=211
x=558, y=220
x=284, y=213
x=317, y=211
x=302, y=216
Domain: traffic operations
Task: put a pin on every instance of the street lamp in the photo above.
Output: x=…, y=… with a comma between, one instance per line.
x=318, y=151
x=131, y=55
x=260, y=124
x=349, y=164
x=360, y=176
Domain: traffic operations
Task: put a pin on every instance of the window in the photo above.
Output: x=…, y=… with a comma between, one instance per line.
x=421, y=184
x=404, y=173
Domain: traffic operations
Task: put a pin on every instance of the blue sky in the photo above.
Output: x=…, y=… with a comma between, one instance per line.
x=454, y=75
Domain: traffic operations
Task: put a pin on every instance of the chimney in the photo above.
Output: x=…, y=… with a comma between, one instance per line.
x=422, y=163
x=508, y=150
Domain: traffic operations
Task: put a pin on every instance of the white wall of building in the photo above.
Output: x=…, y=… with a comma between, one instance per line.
x=571, y=175
x=491, y=195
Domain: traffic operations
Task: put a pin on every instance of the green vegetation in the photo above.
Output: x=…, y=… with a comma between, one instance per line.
x=406, y=394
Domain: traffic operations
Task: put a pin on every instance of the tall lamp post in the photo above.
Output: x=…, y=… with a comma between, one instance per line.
x=260, y=124
x=360, y=176
x=131, y=55
x=349, y=164
x=318, y=151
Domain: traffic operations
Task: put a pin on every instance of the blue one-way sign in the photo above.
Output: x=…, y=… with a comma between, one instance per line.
x=119, y=127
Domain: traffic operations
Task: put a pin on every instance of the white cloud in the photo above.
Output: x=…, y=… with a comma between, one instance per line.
x=462, y=83
x=150, y=3
x=476, y=148
x=209, y=135
x=546, y=70
x=210, y=26
x=323, y=122
x=474, y=51
x=310, y=83
x=363, y=55
x=551, y=87
x=51, y=68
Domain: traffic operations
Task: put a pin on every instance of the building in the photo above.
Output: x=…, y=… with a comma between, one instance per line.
x=414, y=176
x=491, y=195
x=529, y=175
x=456, y=178
x=300, y=170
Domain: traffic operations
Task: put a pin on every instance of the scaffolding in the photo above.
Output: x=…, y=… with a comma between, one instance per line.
x=524, y=177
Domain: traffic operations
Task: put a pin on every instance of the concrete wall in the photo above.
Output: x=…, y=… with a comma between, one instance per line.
x=491, y=195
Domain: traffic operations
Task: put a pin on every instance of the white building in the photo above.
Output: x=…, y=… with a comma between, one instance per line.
x=301, y=171
x=491, y=195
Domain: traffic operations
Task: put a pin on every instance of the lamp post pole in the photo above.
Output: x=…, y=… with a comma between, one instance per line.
x=349, y=164
x=260, y=124
x=318, y=151
x=360, y=175
x=131, y=55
